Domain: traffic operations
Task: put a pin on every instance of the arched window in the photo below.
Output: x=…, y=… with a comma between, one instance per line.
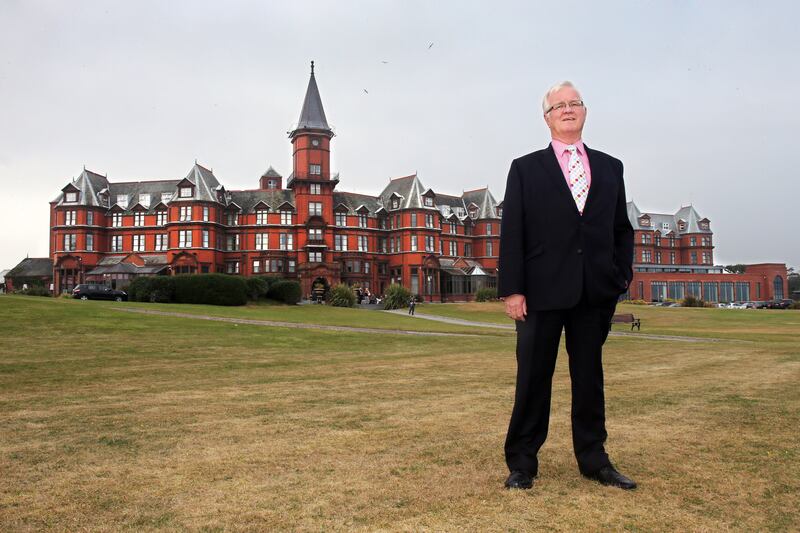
x=778, y=284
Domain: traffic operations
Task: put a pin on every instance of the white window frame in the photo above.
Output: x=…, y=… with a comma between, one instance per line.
x=363, y=243
x=138, y=218
x=413, y=242
x=261, y=217
x=340, y=219
x=162, y=217
x=314, y=257
x=286, y=241
x=71, y=197
x=430, y=243
x=116, y=243
x=162, y=242
x=90, y=242
x=428, y=220
x=314, y=169
x=206, y=213
x=185, y=192
x=314, y=209
x=286, y=218
x=340, y=243
x=70, y=242
x=138, y=243
x=206, y=237
x=315, y=189
x=262, y=241
x=116, y=220
x=185, y=213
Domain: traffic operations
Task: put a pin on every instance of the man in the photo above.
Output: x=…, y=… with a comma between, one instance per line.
x=566, y=254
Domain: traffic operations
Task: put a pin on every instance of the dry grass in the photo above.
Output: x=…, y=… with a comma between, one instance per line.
x=153, y=423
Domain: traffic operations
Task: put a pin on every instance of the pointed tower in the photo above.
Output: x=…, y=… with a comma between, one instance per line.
x=311, y=138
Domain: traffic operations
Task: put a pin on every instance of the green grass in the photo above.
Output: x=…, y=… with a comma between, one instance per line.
x=112, y=420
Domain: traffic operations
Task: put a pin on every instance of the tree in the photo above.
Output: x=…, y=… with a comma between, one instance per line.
x=736, y=269
x=793, y=277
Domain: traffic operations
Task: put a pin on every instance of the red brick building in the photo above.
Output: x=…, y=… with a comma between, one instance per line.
x=674, y=258
x=440, y=246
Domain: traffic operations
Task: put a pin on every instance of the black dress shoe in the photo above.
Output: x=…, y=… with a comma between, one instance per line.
x=609, y=476
x=519, y=479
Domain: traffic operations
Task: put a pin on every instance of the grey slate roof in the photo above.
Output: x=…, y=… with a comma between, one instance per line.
x=205, y=184
x=274, y=198
x=34, y=267
x=409, y=188
x=88, y=184
x=484, y=200
x=657, y=220
x=312, y=116
x=271, y=173
x=353, y=201
x=132, y=190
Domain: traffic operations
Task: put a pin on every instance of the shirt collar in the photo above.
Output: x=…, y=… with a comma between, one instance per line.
x=559, y=147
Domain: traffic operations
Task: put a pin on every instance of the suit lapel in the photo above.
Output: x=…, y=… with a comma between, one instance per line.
x=556, y=176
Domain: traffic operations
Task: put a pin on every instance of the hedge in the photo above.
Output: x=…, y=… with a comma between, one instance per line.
x=486, y=294
x=257, y=287
x=286, y=291
x=159, y=289
x=213, y=289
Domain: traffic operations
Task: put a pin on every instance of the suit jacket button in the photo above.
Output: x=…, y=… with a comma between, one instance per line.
x=580, y=251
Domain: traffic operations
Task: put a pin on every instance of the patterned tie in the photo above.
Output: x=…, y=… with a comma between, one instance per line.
x=577, y=178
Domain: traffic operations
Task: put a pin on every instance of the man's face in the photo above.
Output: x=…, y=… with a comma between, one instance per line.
x=565, y=124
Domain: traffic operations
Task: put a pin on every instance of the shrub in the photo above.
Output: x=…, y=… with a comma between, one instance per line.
x=212, y=289
x=342, y=295
x=159, y=289
x=795, y=305
x=691, y=301
x=36, y=290
x=486, y=294
x=397, y=297
x=257, y=287
x=634, y=302
x=286, y=291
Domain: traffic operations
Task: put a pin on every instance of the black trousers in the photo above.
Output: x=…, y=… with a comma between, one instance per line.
x=586, y=328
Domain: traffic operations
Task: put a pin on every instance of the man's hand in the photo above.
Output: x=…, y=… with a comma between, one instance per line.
x=515, y=307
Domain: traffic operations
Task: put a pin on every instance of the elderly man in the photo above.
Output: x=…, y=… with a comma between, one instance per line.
x=566, y=254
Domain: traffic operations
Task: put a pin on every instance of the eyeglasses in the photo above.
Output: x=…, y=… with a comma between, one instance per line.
x=561, y=106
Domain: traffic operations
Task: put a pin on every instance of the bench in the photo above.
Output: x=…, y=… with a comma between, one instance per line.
x=626, y=318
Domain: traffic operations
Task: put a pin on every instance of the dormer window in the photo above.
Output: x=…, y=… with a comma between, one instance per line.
x=122, y=200
x=681, y=225
x=644, y=221
x=499, y=211
x=144, y=199
x=71, y=197
x=428, y=201
x=665, y=226
x=185, y=192
x=704, y=225
x=473, y=212
x=395, y=203
x=166, y=196
x=272, y=184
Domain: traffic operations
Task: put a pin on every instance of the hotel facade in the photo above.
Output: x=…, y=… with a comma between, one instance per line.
x=442, y=247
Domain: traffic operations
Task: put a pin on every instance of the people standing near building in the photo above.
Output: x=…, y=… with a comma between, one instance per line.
x=566, y=254
x=411, y=306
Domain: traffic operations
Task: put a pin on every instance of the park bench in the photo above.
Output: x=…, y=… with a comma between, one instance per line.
x=626, y=318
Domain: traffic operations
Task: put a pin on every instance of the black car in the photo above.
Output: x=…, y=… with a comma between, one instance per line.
x=93, y=291
x=780, y=304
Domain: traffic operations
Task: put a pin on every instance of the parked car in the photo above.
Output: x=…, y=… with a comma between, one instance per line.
x=738, y=305
x=750, y=305
x=94, y=291
x=780, y=304
x=762, y=305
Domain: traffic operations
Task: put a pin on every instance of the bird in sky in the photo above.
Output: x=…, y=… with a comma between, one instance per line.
x=430, y=45
x=366, y=91
x=384, y=61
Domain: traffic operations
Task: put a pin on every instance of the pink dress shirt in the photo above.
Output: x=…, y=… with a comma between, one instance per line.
x=562, y=154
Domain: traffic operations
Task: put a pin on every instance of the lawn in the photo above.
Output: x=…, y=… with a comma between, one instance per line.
x=119, y=421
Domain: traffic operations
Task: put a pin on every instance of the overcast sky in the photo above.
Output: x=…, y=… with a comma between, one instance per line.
x=699, y=99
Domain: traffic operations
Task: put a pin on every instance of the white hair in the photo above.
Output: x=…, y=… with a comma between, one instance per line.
x=554, y=89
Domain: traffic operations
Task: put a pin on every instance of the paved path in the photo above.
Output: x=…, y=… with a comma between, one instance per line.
x=637, y=335
x=297, y=325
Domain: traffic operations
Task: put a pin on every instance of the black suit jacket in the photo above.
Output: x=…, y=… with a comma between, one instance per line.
x=548, y=251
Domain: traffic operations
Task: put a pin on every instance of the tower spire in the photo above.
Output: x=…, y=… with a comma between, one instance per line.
x=312, y=116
